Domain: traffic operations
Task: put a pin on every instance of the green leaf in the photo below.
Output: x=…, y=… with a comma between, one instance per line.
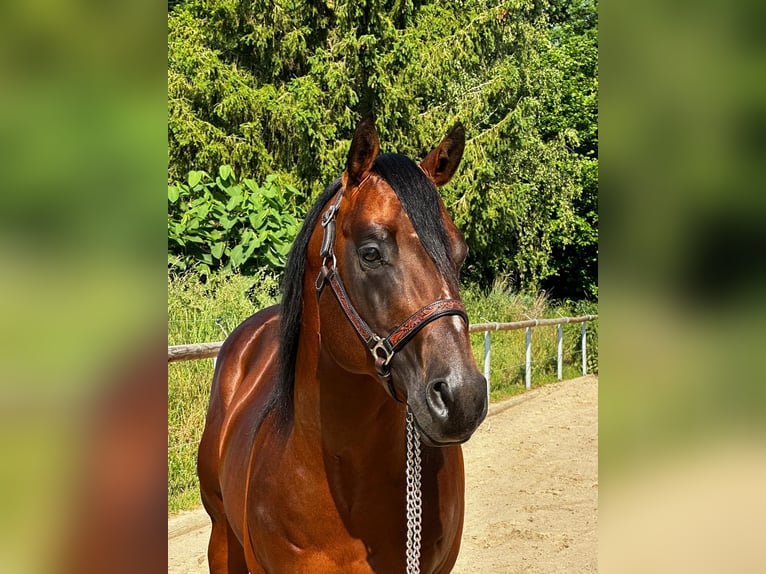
x=173, y=193
x=273, y=259
x=233, y=202
x=236, y=256
x=274, y=223
x=251, y=247
x=225, y=172
x=194, y=178
x=202, y=211
x=217, y=250
x=256, y=219
x=269, y=191
x=234, y=190
x=252, y=185
x=282, y=248
x=227, y=223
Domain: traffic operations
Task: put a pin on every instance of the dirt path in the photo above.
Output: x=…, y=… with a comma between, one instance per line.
x=531, y=489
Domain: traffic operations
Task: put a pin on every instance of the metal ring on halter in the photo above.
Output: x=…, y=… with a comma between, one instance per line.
x=334, y=262
x=383, y=353
x=385, y=347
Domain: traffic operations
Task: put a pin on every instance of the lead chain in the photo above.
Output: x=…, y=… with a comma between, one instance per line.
x=414, y=507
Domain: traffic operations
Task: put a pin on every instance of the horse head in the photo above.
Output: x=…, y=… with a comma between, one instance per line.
x=391, y=254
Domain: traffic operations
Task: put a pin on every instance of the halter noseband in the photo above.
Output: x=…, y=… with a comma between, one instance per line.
x=381, y=348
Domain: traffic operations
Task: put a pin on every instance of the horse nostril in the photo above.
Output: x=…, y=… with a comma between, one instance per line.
x=440, y=399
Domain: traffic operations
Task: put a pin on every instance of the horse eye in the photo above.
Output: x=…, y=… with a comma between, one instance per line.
x=370, y=254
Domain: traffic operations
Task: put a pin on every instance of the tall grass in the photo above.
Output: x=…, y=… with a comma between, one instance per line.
x=508, y=348
x=200, y=312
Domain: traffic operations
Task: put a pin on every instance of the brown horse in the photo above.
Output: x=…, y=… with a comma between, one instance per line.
x=302, y=461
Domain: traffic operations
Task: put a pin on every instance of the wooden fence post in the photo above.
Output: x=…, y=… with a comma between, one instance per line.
x=584, y=352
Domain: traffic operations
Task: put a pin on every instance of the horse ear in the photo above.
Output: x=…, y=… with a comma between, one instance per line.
x=441, y=164
x=364, y=149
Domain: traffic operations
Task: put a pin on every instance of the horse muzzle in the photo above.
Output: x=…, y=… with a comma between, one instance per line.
x=449, y=409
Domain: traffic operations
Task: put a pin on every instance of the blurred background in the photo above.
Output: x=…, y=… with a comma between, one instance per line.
x=82, y=290
x=681, y=273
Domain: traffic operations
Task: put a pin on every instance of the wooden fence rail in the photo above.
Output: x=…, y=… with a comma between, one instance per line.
x=193, y=351
x=210, y=350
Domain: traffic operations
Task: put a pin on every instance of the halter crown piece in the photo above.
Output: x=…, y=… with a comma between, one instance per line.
x=383, y=350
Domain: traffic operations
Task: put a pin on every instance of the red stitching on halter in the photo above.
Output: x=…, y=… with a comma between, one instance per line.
x=404, y=332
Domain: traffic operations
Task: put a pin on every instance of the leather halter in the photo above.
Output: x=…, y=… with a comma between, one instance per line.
x=381, y=348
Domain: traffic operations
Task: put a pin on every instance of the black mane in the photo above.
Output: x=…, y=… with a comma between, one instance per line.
x=420, y=201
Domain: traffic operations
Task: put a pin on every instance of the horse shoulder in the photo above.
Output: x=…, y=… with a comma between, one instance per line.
x=244, y=378
x=247, y=357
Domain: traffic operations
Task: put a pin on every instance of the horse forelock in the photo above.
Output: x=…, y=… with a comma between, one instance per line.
x=420, y=200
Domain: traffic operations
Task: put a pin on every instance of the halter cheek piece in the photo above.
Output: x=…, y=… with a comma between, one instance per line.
x=381, y=348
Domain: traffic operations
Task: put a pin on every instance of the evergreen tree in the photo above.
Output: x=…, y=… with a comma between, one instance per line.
x=278, y=87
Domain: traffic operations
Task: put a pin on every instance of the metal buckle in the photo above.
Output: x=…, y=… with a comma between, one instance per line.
x=382, y=353
x=382, y=345
x=334, y=262
x=329, y=215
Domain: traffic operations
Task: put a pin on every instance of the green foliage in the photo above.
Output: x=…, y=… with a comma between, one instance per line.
x=278, y=88
x=228, y=224
x=574, y=251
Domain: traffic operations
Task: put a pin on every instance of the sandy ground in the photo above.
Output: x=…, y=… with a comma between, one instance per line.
x=531, y=489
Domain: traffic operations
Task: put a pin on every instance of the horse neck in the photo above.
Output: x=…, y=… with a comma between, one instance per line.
x=341, y=411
